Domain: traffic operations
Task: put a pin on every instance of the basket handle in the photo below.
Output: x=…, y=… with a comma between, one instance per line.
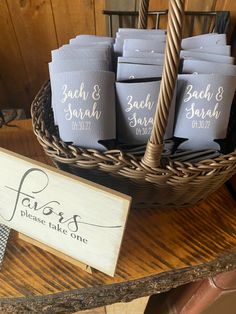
x=154, y=147
x=143, y=14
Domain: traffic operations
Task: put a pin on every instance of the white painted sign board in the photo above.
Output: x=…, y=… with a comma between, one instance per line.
x=77, y=217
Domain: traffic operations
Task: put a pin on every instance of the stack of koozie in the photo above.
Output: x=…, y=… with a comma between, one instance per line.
x=106, y=89
x=140, y=53
x=205, y=92
x=83, y=91
x=140, y=58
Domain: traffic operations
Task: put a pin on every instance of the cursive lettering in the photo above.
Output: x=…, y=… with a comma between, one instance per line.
x=134, y=104
x=96, y=92
x=202, y=113
x=28, y=200
x=81, y=113
x=194, y=94
x=74, y=94
x=139, y=121
x=219, y=94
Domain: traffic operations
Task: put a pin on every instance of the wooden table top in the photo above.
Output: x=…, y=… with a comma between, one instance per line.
x=161, y=249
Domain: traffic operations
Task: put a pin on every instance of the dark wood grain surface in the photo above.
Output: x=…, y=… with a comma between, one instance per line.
x=161, y=249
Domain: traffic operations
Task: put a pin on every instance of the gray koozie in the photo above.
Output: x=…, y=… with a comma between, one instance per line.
x=216, y=49
x=136, y=105
x=188, y=54
x=119, y=42
x=77, y=41
x=93, y=39
x=203, y=40
x=203, y=108
x=207, y=67
x=85, y=107
x=68, y=52
x=73, y=65
x=141, y=54
x=144, y=45
x=136, y=60
x=128, y=71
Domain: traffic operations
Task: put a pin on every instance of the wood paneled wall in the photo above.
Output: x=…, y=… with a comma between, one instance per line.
x=201, y=5
x=190, y=5
x=30, y=29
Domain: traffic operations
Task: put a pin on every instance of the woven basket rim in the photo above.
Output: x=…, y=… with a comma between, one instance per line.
x=115, y=160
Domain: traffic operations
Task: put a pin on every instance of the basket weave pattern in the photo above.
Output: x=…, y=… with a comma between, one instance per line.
x=176, y=184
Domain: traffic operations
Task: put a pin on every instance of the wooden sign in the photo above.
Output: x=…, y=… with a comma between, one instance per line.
x=72, y=215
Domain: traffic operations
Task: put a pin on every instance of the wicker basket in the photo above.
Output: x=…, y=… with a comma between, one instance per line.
x=177, y=184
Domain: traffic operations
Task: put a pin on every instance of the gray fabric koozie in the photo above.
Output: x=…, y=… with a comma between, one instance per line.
x=203, y=109
x=136, y=106
x=85, y=107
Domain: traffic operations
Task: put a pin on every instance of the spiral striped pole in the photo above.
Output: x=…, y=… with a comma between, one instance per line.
x=143, y=13
x=154, y=147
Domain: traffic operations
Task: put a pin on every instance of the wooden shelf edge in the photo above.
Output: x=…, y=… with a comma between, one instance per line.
x=87, y=298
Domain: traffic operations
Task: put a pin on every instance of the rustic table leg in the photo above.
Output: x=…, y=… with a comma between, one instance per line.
x=134, y=307
x=137, y=306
